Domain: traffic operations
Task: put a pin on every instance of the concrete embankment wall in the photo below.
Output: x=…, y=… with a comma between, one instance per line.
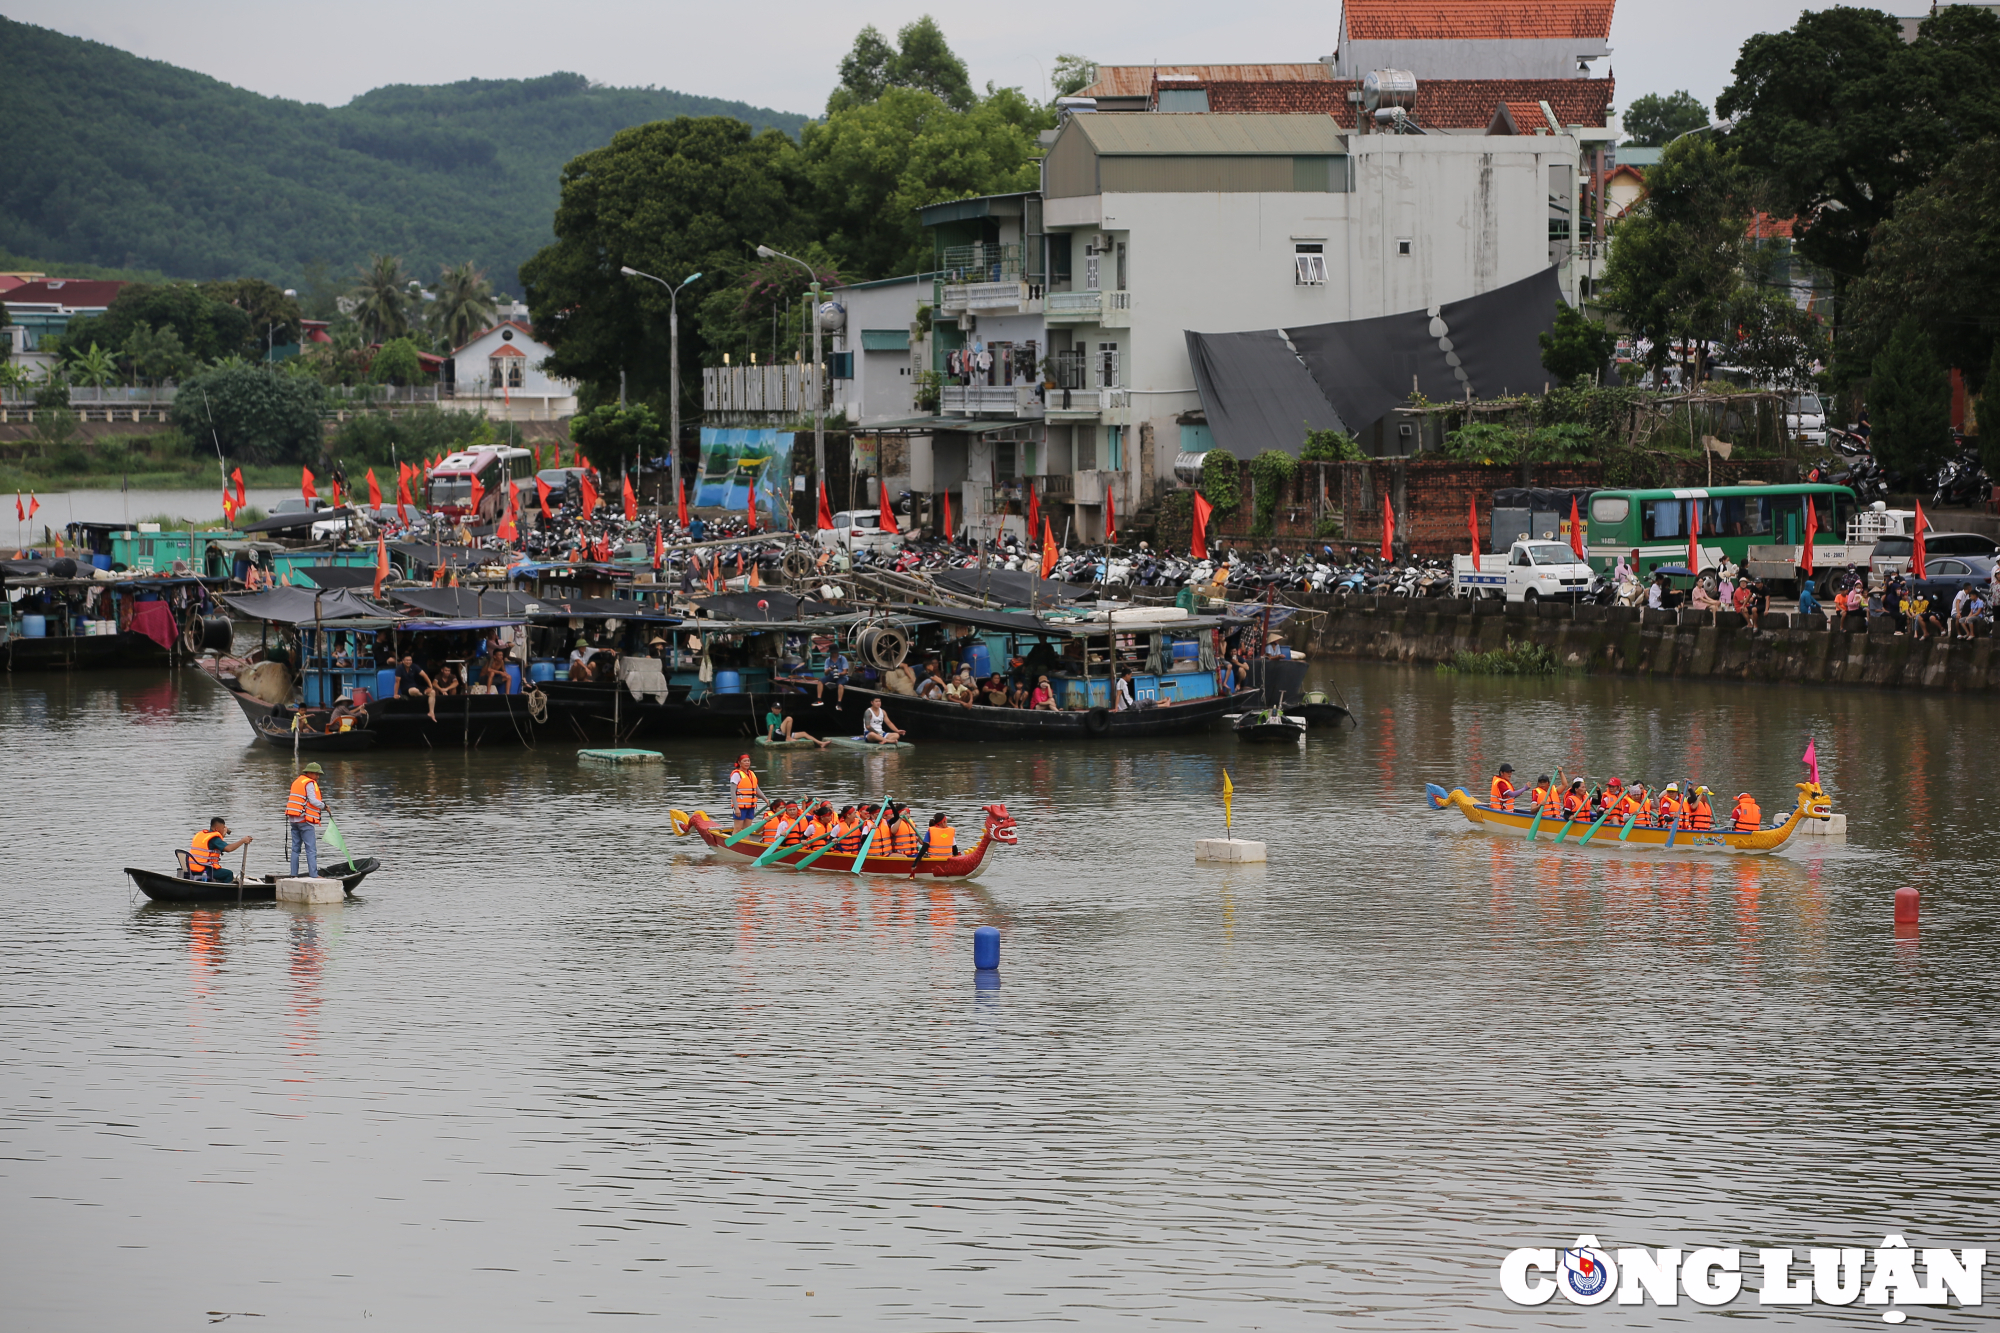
x=1632, y=642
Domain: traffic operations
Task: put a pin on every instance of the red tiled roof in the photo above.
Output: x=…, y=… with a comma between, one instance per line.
x=1137, y=80
x=1491, y=20
x=1446, y=104
x=1764, y=227
x=74, y=293
x=1527, y=117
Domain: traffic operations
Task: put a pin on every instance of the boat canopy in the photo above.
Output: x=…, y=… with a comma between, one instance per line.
x=428, y=626
x=600, y=608
x=775, y=606
x=460, y=603
x=1011, y=586
x=299, y=519
x=303, y=606
x=1020, y=622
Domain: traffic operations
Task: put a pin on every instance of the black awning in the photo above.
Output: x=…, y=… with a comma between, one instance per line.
x=776, y=606
x=463, y=603
x=302, y=606
x=601, y=608
x=1017, y=586
x=339, y=576
x=1257, y=393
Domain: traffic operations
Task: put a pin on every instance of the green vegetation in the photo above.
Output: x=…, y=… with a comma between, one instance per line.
x=1220, y=483
x=1331, y=446
x=1909, y=402
x=369, y=438
x=1516, y=659
x=61, y=458
x=612, y=432
x=250, y=414
x=1654, y=121
x=117, y=160
x=1504, y=443
x=1579, y=348
x=1271, y=471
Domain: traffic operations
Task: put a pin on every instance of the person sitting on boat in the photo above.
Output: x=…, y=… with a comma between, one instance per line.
x=1638, y=806
x=1542, y=796
x=1122, y=695
x=938, y=838
x=876, y=727
x=205, y=852
x=743, y=791
x=900, y=679
x=932, y=685
x=1672, y=812
x=346, y=715
x=1501, y=796
x=803, y=827
x=994, y=693
x=857, y=830
x=835, y=674
x=1700, y=813
x=305, y=811
x=409, y=680
x=962, y=689
x=779, y=728
x=1575, y=801
x=1044, y=697
x=1746, y=817
x=901, y=834
x=1611, y=796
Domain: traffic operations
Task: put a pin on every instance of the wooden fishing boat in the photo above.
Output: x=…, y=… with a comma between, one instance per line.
x=277, y=733
x=1270, y=725
x=167, y=887
x=999, y=828
x=1320, y=711
x=1604, y=833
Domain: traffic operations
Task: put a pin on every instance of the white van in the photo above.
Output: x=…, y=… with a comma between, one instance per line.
x=860, y=530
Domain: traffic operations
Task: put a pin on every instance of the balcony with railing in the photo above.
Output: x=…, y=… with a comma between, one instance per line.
x=986, y=278
x=990, y=400
x=1109, y=310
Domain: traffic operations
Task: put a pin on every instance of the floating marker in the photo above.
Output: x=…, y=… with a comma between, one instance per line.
x=1906, y=906
x=986, y=948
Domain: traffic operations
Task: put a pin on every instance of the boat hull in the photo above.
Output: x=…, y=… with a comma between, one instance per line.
x=1616, y=837
x=966, y=865
x=83, y=652
x=939, y=720
x=168, y=888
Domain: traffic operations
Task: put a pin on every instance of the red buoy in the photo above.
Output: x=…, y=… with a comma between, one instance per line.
x=1906, y=906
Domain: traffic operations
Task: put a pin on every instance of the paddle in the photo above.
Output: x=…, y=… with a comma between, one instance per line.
x=861, y=856
x=803, y=862
x=749, y=828
x=1536, y=822
x=1675, y=829
x=1591, y=832
x=923, y=849
x=1630, y=820
x=778, y=844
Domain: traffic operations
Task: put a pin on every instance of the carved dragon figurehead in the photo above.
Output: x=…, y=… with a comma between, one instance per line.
x=1813, y=801
x=1000, y=825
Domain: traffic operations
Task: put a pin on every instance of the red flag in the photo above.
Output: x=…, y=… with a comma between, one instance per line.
x=1917, y=551
x=509, y=530
x=1575, y=529
x=948, y=528
x=403, y=500
x=542, y=493
x=825, y=510
x=538, y=458
x=1472, y=526
x=631, y=502
x=1110, y=518
x=884, y=511
x=682, y=500
x=242, y=501
x=306, y=484
x=1198, y=547
x=1694, y=536
x=581, y=461
x=589, y=493
x=750, y=507
x=1388, y=528
x=1812, y=524
x=755, y=582
x=712, y=562
x=659, y=547
x=374, y=491
x=1048, y=550
x=20, y=510
x=1034, y=507
x=34, y=504
x=228, y=506
x=381, y=562
x=478, y=494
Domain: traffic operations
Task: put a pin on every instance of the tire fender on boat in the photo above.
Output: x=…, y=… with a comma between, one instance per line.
x=1097, y=721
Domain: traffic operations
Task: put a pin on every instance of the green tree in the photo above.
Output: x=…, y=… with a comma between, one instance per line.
x=1842, y=118
x=613, y=433
x=1331, y=446
x=1766, y=333
x=676, y=197
x=156, y=355
x=397, y=363
x=1221, y=481
x=921, y=59
x=1072, y=74
x=1675, y=258
x=1271, y=471
x=209, y=329
x=93, y=366
x=1909, y=403
x=255, y=415
x=758, y=305
x=464, y=306
x=274, y=317
x=1578, y=347
x=1654, y=121
x=381, y=300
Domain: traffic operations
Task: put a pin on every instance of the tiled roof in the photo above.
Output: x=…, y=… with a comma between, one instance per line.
x=1446, y=104
x=1527, y=117
x=1764, y=227
x=1491, y=20
x=72, y=293
x=1137, y=80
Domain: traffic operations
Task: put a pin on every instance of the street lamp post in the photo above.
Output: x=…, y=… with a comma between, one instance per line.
x=673, y=367
x=819, y=399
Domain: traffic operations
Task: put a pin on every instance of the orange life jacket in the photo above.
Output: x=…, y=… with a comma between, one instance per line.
x=200, y=855
x=744, y=788
x=942, y=836
x=902, y=838
x=1502, y=797
x=1747, y=816
x=1574, y=804
x=801, y=831
x=296, y=805
x=1700, y=814
x=851, y=839
x=1672, y=809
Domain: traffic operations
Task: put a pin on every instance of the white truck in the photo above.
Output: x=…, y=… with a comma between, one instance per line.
x=1528, y=572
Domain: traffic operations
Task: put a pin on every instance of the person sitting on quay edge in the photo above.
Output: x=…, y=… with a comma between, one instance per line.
x=1703, y=598
x=778, y=727
x=1808, y=600
x=205, y=852
x=1501, y=795
x=409, y=681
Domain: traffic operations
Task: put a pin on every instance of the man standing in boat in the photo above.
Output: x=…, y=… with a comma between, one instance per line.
x=743, y=792
x=305, y=811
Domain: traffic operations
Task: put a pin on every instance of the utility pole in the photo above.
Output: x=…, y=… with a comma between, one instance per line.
x=673, y=369
x=818, y=398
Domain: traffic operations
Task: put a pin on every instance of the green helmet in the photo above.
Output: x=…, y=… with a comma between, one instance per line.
x=312, y=768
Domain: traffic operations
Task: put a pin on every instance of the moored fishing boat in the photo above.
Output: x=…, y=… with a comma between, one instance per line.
x=167, y=887
x=1602, y=831
x=999, y=828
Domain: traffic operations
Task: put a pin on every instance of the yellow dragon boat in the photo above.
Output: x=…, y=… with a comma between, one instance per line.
x=1602, y=831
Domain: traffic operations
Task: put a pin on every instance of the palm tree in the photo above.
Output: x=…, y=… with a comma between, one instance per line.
x=464, y=305
x=95, y=367
x=382, y=300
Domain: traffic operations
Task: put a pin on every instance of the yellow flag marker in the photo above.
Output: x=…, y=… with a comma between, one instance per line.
x=1228, y=790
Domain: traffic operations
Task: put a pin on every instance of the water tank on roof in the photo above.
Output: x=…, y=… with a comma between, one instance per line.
x=1389, y=88
x=832, y=317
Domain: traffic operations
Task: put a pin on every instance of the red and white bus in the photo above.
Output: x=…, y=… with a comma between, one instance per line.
x=448, y=490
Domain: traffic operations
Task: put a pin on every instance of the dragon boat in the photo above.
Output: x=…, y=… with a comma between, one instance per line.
x=1605, y=832
x=999, y=828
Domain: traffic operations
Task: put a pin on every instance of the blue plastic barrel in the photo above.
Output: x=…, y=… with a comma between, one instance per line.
x=385, y=683
x=986, y=948
x=541, y=672
x=513, y=678
x=729, y=682
x=34, y=627
x=101, y=561
x=979, y=660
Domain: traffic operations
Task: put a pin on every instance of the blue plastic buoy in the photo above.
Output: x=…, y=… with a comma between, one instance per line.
x=986, y=948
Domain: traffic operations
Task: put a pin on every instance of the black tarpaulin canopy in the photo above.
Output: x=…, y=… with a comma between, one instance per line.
x=1256, y=393
x=340, y=576
x=1010, y=586
x=602, y=608
x=299, y=519
x=461, y=603
x=302, y=606
x=779, y=606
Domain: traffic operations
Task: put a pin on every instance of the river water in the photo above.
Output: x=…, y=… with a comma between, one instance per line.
x=553, y=1064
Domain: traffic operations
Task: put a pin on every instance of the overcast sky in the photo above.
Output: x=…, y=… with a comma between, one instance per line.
x=782, y=53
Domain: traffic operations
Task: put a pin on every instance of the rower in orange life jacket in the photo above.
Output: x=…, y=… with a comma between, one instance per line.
x=1701, y=815
x=902, y=835
x=1613, y=799
x=804, y=826
x=1640, y=803
x=1538, y=795
x=1575, y=801
x=1746, y=817
x=205, y=851
x=1548, y=799
x=938, y=838
x=1502, y=797
x=1673, y=810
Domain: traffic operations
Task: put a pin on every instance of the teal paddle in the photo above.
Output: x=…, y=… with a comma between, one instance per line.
x=1672, y=832
x=803, y=862
x=861, y=856
x=1591, y=832
x=1630, y=820
x=749, y=828
x=778, y=845
x=1536, y=822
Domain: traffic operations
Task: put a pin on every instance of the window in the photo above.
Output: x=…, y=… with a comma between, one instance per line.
x=1090, y=268
x=504, y=371
x=1121, y=266
x=1003, y=459
x=1178, y=100
x=842, y=366
x=1308, y=264
x=1403, y=245
x=1107, y=365
x=1519, y=557
x=1086, y=448
x=1609, y=511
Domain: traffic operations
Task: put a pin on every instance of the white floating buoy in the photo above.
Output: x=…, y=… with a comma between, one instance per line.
x=305, y=890
x=1228, y=849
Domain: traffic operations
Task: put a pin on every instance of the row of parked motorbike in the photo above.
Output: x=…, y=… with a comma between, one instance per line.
x=1959, y=483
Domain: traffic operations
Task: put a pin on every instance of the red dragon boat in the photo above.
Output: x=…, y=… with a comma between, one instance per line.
x=966, y=865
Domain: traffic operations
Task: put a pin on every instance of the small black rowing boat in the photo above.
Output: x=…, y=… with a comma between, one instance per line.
x=172, y=888
x=1270, y=724
x=277, y=733
x=1320, y=711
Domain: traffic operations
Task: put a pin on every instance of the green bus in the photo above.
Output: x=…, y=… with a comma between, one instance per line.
x=1656, y=524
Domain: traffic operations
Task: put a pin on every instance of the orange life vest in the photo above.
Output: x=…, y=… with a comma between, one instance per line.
x=296, y=805
x=942, y=836
x=902, y=838
x=1574, y=804
x=1502, y=797
x=745, y=789
x=1747, y=816
x=852, y=838
x=801, y=831
x=1671, y=809
x=200, y=855
x=1700, y=814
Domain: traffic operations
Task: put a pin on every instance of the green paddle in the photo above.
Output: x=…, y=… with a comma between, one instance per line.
x=1536, y=822
x=749, y=828
x=861, y=856
x=1630, y=820
x=803, y=862
x=1591, y=832
x=778, y=845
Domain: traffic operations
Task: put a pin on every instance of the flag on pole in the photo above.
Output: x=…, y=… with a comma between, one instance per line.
x=1575, y=529
x=403, y=500
x=374, y=491
x=242, y=500
x=34, y=504
x=1694, y=536
x=825, y=510
x=381, y=562
x=1917, y=550
x=1811, y=759
x=1388, y=528
x=589, y=493
x=631, y=502
x=542, y=494
x=750, y=504
x=659, y=547
x=1034, y=507
x=1228, y=791
x=510, y=529
x=682, y=501
x=1812, y=524
x=1048, y=549
x=1198, y=546
x=1110, y=518
x=883, y=509
x=1472, y=526
x=20, y=511
x=478, y=495
x=306, y=484
x=948, y=529
x=538, y=458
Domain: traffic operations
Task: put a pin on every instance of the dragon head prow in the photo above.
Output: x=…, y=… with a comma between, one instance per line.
x=1000, y=825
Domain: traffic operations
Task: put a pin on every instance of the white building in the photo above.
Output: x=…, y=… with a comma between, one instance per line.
x=500, y=371
x=1451, y=39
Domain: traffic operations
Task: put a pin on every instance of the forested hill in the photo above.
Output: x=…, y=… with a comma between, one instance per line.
x=116, y=160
